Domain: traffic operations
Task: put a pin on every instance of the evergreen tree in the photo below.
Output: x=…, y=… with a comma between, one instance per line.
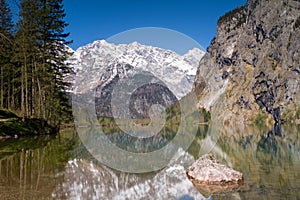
x=55, y=55
x=6, y=36
x=26, y=56
x=33, y=69
x=41, y=54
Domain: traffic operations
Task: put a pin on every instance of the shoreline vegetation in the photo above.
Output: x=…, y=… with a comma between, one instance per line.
x=13, y=126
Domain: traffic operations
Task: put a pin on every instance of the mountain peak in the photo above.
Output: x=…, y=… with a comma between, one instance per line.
x=100, y=65
x=135, y=43
x=96, y=60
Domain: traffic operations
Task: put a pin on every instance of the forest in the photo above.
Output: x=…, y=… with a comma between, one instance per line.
x=33, y=61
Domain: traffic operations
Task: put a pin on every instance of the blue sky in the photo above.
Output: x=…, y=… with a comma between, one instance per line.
x=91, y=20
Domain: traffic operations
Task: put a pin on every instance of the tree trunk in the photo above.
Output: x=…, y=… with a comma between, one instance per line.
x=26, y=90
x=2, y=87
x=32, y=92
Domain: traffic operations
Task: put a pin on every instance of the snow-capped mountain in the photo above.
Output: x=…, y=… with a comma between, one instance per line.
x=100, y=65
x=99, y=62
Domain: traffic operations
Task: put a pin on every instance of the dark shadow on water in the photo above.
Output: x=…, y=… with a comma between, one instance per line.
x=268, y=143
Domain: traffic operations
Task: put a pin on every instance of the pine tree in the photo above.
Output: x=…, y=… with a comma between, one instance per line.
x=36, y=83
x=42, y=57
x=6, y=36
x=25, y=55
x=55, y=55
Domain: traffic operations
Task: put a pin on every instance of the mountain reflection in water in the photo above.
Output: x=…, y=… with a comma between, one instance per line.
x=61, y=168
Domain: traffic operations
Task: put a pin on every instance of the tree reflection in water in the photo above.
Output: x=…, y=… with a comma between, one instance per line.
x=61, y=168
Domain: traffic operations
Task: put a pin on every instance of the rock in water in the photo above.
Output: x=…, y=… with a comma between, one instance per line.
x=208, y=171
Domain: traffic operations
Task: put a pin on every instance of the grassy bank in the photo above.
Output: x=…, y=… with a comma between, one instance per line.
x=11, y=125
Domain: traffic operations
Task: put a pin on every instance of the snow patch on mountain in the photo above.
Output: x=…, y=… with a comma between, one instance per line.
x=97, y=63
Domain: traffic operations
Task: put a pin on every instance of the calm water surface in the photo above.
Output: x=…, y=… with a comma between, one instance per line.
x=61, y=168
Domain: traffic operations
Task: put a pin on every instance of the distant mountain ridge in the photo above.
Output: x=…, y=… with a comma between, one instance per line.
x=100, y=65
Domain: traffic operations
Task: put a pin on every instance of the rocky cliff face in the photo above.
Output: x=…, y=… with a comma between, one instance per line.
x=252, y=65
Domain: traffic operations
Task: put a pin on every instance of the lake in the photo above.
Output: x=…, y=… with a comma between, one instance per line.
x=60, y=167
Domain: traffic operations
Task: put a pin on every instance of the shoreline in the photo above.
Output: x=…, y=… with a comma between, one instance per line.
x=12, y=126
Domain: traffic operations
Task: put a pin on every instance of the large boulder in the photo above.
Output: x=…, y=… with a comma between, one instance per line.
x=208, y=171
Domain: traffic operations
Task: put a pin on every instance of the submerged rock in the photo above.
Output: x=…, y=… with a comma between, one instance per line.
x=208, y=171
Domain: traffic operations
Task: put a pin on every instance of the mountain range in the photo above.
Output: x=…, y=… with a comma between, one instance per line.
x=249, y=72
x=100, y=65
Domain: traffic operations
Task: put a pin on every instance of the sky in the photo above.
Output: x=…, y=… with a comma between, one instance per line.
x=91, y=20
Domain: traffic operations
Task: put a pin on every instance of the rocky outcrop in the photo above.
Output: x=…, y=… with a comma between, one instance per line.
x=252, y=64
x=208, y=171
